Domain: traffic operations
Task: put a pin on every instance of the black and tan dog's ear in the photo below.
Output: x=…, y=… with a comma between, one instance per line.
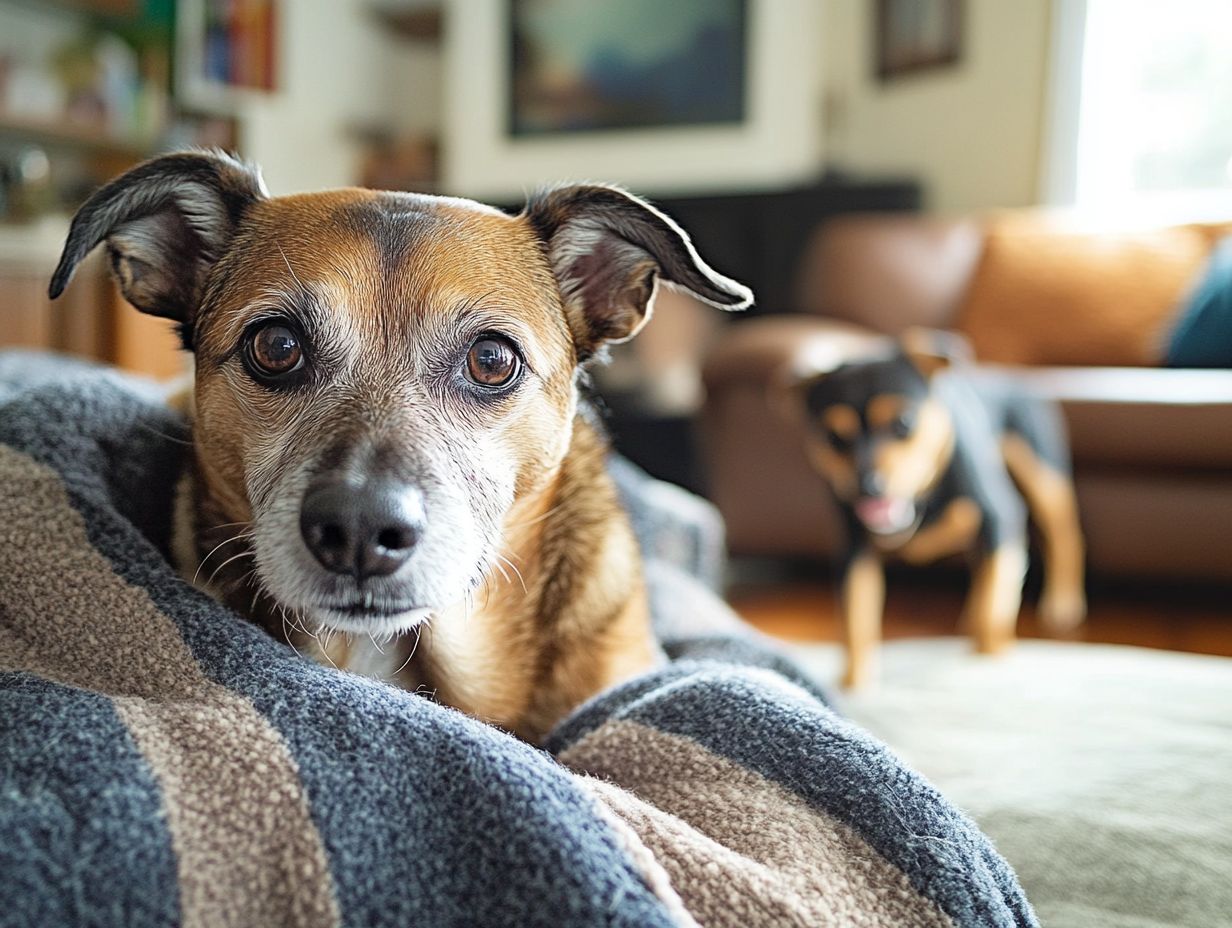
x=788, y=390
x=932, y=350
x=607, y=249
x=165, y=223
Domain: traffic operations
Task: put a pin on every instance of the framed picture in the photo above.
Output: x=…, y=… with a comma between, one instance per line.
x=761, y=131
x=917, y=35
x=581, y=66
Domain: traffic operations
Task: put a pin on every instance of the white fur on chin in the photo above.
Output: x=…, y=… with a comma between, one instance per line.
x=384, y=626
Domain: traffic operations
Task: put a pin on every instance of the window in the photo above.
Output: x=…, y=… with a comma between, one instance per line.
x=1152, y=125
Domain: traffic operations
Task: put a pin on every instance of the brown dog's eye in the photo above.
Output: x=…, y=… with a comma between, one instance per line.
x=275, y=350
x=840, y=443
x=492, y=362
x=901, y=426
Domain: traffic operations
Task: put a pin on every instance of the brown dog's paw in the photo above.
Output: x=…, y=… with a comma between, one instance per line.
x=994, y=643
x=857, y=674
x=1061, y=612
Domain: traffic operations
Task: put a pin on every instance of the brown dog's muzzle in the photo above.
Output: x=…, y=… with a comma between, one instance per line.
x=362, y=530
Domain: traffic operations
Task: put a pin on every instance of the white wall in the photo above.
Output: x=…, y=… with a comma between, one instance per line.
x=340, y=70
x=781, y=144
x=971, y=133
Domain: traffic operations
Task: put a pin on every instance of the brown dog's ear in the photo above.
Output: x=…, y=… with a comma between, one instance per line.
x=165, y=222
x=787, y=391
x=932, y=350
x=607, y=249
x=814, y=358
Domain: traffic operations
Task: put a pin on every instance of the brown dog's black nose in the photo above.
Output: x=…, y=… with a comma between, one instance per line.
x=366, y=530
x=872, y=484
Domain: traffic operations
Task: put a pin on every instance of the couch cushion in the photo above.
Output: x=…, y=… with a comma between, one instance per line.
x=888, y=272
x=1048, y=295
x=1142, y=417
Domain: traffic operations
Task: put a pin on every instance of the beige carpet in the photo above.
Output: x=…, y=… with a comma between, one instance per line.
x=1103, y=773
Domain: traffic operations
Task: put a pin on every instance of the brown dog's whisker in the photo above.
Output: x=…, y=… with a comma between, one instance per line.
x=242, y=580
x=372, y=638
x=295, y=627
x=238, y=537
x=323, y=648
x=500, y=558
x=292, y=619
x=234, y=557
x=410, y=656
x=290, y=639
x=171, y=438
x=518, y=526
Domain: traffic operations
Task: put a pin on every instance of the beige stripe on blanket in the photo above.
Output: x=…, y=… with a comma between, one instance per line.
x=247, y=851
x=740, y=850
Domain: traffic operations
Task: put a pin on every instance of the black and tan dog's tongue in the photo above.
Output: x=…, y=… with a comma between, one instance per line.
x=885, y=515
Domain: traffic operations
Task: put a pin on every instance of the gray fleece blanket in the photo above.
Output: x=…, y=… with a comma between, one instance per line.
x=162, y=762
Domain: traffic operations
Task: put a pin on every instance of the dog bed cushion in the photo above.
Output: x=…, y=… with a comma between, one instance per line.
x=163, y=762
x=1102, y=771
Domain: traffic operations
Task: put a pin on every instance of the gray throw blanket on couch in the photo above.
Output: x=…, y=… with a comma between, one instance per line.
x=162, y=762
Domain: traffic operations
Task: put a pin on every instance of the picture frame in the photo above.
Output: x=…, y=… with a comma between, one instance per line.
x=580, y=67
x=915, y=36
x=776, y=143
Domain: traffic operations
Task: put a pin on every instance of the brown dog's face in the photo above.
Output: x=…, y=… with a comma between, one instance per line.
x=381, y=377
x=879, y=435
x=384, y=338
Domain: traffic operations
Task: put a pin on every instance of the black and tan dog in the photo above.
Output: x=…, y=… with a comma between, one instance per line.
x=923, y=460
x=387, y=428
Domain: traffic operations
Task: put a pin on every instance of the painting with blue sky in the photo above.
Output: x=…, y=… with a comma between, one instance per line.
x=582, y=65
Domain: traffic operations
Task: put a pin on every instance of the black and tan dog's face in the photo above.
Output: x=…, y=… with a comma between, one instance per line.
x=878, y=434
x=380, y=377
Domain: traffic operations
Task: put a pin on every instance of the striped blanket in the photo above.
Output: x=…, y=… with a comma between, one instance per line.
x=162, y=762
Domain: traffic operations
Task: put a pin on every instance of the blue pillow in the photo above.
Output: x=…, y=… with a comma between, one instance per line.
x=1203, y=334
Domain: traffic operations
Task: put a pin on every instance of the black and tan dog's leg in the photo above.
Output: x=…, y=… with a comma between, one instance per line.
x=1054, y=507
x=862, y=601
x=996, y=594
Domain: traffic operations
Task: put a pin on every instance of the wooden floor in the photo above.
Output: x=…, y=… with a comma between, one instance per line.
x=1176, y=618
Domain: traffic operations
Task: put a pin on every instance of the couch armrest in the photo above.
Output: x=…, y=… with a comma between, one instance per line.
x=754, y=351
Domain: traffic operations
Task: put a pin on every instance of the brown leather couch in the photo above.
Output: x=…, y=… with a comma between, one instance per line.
x=1152, y=447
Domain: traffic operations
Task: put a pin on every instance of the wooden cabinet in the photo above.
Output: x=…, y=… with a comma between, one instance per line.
x=90, y=320
x=146, y=344
x=77, y=323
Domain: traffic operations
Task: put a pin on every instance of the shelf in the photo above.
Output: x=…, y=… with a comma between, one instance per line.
x=419, y=21
x=105, y=11
x=32, y=246
x=68, y=135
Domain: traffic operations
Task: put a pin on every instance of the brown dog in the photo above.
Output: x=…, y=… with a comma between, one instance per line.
x=927, y=459
x=387, y=428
